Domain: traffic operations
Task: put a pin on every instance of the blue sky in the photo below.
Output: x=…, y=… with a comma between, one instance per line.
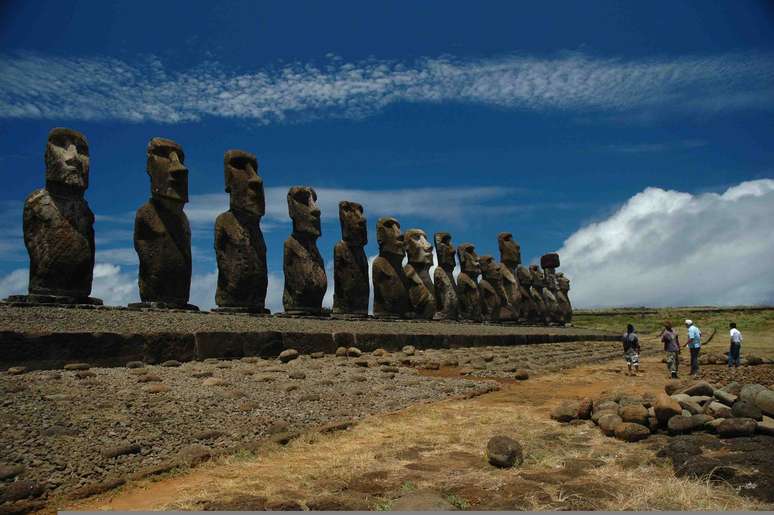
x=566, y=123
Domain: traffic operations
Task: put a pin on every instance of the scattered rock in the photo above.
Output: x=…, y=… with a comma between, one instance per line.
x=665, y=408
x=390, y=370
x=288, y=355
x=85, y=374
x=9, y=471
x=584, y=409
x=171, y=363
x=297, y=375
x=409, y=350
x=210, y=434
x=15, y=371
x=725, y=397
x=766, y=426
x=149, y=378
x=193, y=455
x=202, y=374
x=421, y=501
x=733, y=427
x=750, y=391
x=361, y=363
x=378, y=352
x=156, y=388
x=354, y=352
x=214, y=381
x=138, y=371
x=744, y=409
x=77, y=366
x=23, y=489
x=631, y=432
x=504, y=452
x=135, y=364
x=699, y=388
x=607, y=423
x=341, y=352
x=309, y=397
x=317, y=355
x=120, y=450
x=97, y=488
x=636, y=413
x=432, y=365
x=681, y=424
x=566, y=411
x=717, y=410
x=521, y=374
x=764, y=400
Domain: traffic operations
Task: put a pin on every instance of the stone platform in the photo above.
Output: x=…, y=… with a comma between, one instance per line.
x=46, y=337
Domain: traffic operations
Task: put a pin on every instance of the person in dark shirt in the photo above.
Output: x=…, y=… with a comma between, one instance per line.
x=631, y=346
x=671, y=347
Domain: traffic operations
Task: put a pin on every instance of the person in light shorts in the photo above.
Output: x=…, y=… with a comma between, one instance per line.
x=631, y=346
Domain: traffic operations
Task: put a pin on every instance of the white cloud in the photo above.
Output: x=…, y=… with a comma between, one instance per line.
x=669, y=248
x=15, y=283
x=36, y=86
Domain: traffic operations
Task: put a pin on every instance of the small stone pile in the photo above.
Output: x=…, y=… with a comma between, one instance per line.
x=732, y=411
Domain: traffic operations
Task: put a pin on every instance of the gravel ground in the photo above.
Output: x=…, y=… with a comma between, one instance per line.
x=47, y=319
x=62, y=426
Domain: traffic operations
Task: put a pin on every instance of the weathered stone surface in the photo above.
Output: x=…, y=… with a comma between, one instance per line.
x=764, y=400
x=681, y=424
x=350, y=264
x=631, y=432
x=420, y=287
x=495, y=303
x=665, y=408
x=558, y=306
x=733, y=427
x=718, y=410
x=58, y=224
x=698, y=388
x=24, y=489
x=504, y=452
x=563, y=296
x=522, y=375
x=239, y=245
x=744, y=409
x=636, y=413
x=522, y=307
x=565, y=411
x=9, y=471
x=469, y=307
x=114, y=451
x=305, y=279
x=445, y=286
x=691, y=406
x=391, y=296
x=288, y=355
x=548, y=305
x=725, y=397
x=162, y=234
x=607, y=423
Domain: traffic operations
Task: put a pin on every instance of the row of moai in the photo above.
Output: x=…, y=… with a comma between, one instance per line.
x=59, y=236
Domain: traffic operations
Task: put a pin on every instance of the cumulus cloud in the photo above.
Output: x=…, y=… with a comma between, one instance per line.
x=34, y=86
x=670, y=248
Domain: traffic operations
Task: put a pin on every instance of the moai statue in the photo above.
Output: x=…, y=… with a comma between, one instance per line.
x=534, y=302
x=444, y=283
x=305, y=279
x=350, y=264
x=495, y=305
x=239, y=245
x=549, y=262
x=563, y=284
x=420, y=286
x=538, y=293
x=162, y=235
x=391, y=298
x=59, y=226
x=522, y=307
x=469, y=307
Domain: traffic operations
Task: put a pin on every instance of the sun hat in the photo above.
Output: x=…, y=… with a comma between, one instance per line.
x=688, y=322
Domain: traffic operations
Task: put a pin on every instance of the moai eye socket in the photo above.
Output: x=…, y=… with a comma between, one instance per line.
x=301, y=196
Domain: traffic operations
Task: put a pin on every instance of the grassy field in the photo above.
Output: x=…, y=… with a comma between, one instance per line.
x=757, y=326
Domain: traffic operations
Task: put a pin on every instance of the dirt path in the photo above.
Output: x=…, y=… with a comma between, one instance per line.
x=440, y=447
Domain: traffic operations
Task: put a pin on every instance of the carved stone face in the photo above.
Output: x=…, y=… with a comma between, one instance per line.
x=303, y=210
x=240, y=170
x=444, y=250
x=67, y=158
x=563, y=282
x=550, y=279
x=469, y=263
x=489, y=269
x=538, y=279
x=524, y=276
x=510, y=251
x=353, y=223
x=169, y=176
x=389, y=238
x=418, y=248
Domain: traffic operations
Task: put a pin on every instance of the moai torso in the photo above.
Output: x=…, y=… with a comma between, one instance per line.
x=494, y=302
x=533, y=303
x=58, y=224
x=239, y=245
x=420, y=286
x=548, y=262
x=563, y=284
x=391, y=299
x=512, y=293
x=162, y=235
x=443, y=278
x=350, y=264
x=517, y=294
x=537, y=291
x=469, y=307
x=305, y=278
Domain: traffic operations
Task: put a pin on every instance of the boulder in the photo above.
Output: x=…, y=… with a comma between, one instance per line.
x=744, y=409
x=754, y=360
x=718, y=410
x=631, y=432
x=700, y=421
x=135, y=364
x=504, y=452
x=521, y=375
x=733, y=427
x=566, y=411
x=698, y=388
x=764, y=400
x=584, y=409
x=712, y=425
x=597, y=414
x=701, y=400
x=341, y=352
x=680, y=424
x=408, y=350
x=635, y=413
x=15, y=371
x=665, y=408
x=607, y=423
x=354, y=352
x=171, y=363
x=750, y=391
x=691, y=406
x=606, y=405
x=734, y=388
x=193, y=455
x=77, y=366
x=766, y=426
x=726, y=398
x=681, y=397
x=288, y=355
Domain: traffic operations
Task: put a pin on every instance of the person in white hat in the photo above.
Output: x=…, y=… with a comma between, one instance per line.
x=694, y=345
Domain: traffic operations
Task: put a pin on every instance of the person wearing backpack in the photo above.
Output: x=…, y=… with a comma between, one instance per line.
x=631, y=346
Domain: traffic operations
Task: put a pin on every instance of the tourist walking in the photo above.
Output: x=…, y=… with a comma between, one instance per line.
x=694, y=345
x=736, y=346
x=672, y=348
x=631, y=346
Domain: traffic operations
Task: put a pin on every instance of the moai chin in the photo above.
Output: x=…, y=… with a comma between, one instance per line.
x=538, y=293
x=495, y=305
x=443, y=276
x=350, y=264
x=239, y=245
x=162, y=235
x=522, y=307
x=59, y=226
x=563, y=284
x=305, y=279
x=391, y=298
x=469, y=307
x=420, y=258
x=552, y=295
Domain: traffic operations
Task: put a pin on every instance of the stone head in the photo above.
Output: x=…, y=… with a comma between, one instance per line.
x=549, y=261
x=418, y=249
x=354, y=227
x=67, y=159
x=524, y=276
x=167, y=171
x=538, y=279
x=303, y=210
x=389, y=237
x=562, y=282
x=490, y=269
x=444, y=250
x=245, y=186
x=510, y=251
x=469, y=263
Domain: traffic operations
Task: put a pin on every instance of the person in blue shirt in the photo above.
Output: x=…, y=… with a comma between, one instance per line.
x=694, y=345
